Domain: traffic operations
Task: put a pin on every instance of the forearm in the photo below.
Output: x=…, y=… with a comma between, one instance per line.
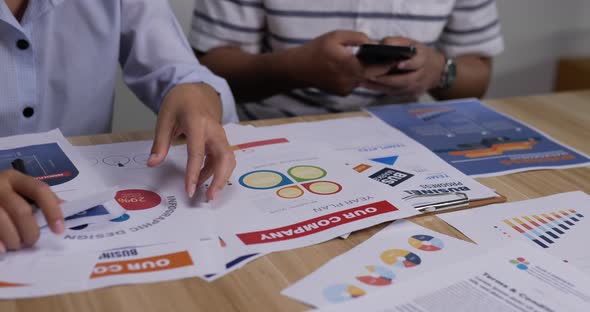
x=253, y=76
x=473, y=77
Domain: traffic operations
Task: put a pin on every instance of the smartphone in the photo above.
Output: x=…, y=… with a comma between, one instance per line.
x=377, y=54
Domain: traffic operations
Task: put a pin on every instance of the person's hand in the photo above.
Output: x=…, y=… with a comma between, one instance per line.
x=327, y=62
x=18, y=227
x=195, y=111
x=415, y=76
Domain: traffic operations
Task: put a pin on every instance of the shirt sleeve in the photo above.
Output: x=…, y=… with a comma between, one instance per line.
x=218, y=23
x=472, y=27
x=155, y=56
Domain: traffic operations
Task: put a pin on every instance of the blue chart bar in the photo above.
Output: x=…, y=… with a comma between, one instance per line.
x=523, y=232
x=530, y=229
x=555, y=221
x=565, y=214
x=540, y=226
x=576, y=213
x=556, y=229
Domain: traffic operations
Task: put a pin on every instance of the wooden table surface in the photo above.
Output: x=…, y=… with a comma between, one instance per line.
x=257, y=286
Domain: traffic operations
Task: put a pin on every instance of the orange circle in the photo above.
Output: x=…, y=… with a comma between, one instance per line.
x=290, y=192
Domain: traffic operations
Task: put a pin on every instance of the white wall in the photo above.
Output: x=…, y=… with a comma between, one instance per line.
x=536, y=32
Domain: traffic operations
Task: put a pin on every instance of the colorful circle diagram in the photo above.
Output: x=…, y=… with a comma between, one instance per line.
x=342, y=292
x=307, y=175
x=400, y=258
x=264, y=179
x=379, y=276
x=426, y=242
x=323, y=187
x=290, y=192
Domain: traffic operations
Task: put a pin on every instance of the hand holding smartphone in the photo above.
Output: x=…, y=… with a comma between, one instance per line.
x=377, y=54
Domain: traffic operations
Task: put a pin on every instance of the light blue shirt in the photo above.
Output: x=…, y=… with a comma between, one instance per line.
x=58, y=66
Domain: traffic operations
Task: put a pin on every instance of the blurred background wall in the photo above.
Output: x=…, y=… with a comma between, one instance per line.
x=537, y=34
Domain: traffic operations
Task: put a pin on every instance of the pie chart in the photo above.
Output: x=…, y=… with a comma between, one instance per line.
x=379, y=276
x=342, y=292
x=426, y=242
x=400, y=258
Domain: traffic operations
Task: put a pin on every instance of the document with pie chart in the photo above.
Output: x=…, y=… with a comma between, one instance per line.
x=399, y=253
x=160, y=235
x=286, y=195
x=513, y=278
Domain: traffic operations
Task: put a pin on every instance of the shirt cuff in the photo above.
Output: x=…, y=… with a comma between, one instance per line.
x=203, y=75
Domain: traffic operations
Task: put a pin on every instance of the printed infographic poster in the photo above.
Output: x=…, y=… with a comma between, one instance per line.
x=35, y=275
x=161, y=234
x=50, y=158
x=284, y=195
x=478, y=140
x=381, y=153
x=514, y=278
x=401, y=252
x=556, y=224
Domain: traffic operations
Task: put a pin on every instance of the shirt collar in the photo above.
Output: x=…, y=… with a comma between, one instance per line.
x=35, y=9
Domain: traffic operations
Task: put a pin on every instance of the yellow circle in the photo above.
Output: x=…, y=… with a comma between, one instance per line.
x=324, y=187
x=307, y=172
x=290, y=192
x=263, y=179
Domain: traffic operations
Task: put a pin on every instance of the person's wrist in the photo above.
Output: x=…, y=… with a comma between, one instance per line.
x=439, y=61
x=296, y=67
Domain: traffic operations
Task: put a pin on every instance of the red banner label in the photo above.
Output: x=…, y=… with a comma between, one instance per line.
x=145, y=265
x=316, y=225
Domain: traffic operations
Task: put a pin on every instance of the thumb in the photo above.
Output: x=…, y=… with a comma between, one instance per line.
x=164, y=131
x=352, y=38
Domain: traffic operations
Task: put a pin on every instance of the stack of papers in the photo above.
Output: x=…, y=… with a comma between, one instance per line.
x=294, y=186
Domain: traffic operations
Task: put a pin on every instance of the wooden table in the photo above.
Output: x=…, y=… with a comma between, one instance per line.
x=257, y=286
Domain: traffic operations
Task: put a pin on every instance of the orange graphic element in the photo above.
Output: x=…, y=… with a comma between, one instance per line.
x=495, y=149
x=6, y=285
x=259, y=143
x=362, y=167
x=145, y=265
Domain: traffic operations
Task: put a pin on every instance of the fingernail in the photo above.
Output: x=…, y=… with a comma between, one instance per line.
x=58, y=227
x=192, y=189
x=153, y=157
x=401, y=65
x=2, y=249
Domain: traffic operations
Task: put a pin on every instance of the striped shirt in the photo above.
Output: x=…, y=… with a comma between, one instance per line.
x=454, y=27
x=58, y=66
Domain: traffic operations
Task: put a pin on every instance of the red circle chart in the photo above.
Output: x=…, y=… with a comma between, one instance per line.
x=136, y=199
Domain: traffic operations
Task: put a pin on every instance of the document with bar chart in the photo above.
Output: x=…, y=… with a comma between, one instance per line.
x=557, y=224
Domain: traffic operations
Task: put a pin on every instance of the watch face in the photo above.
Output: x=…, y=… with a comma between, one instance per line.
x=449, y=74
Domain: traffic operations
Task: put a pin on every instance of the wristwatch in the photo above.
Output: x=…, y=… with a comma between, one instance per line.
x=447, y=78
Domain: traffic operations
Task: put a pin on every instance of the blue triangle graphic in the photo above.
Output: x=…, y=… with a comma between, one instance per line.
x=386, y=160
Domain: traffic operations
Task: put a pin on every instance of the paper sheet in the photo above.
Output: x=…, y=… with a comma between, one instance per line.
x=557, y=224
x=50, y=158
x=399, y=253
x=369, y=145
x=162, y=235
x=516, y=277
x=285, y=195
x=477, y=140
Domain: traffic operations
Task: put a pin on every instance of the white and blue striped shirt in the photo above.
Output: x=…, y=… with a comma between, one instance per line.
x=455, y=27
x=58, y=66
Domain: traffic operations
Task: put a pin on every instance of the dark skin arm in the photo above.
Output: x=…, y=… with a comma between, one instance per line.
x=424, y=71
x=326, y=63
